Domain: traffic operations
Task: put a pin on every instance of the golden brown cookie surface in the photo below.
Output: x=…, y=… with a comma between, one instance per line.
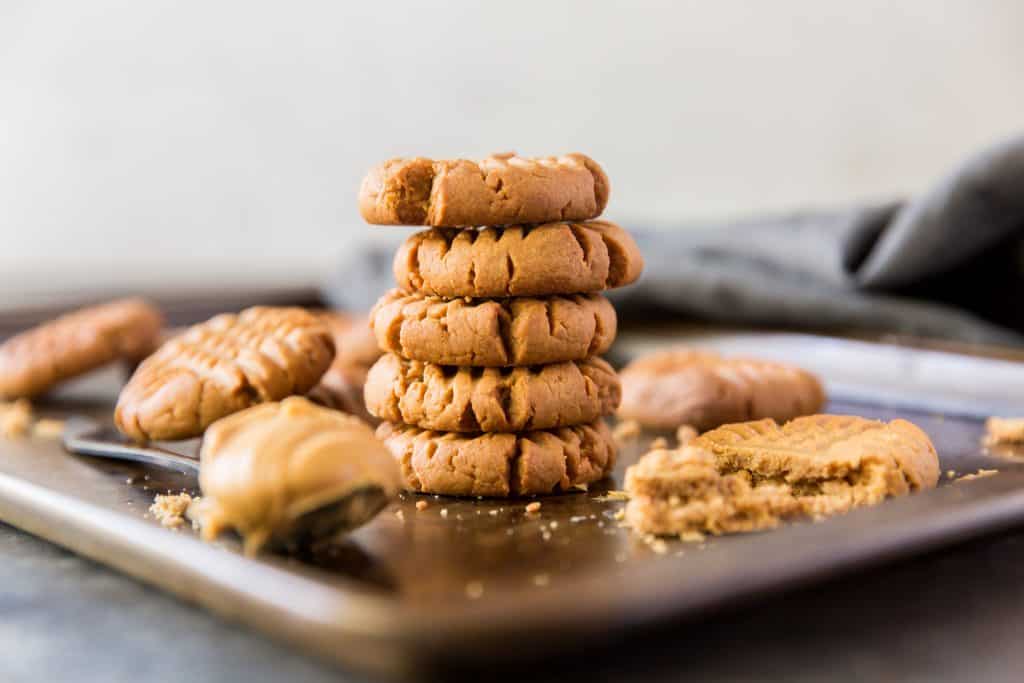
x=500, y=465
x=543, y=260
x=679, y=386
x=445, y=398
x=223, y=366
x=35, y=361
x=494, y=333
x=499, y=190
x=752, y=475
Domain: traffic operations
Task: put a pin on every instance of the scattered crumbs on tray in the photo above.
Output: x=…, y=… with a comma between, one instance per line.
x=444, y=512
x=533, y=507
x=612, y=495
x=400, y=515
x=691, y=537
x=48, y=428
x=15, y=419
x=169, y=509
x=421, y=505
x=980, y=474
x=474, y=590
x=1004, y=430
x=657, y=545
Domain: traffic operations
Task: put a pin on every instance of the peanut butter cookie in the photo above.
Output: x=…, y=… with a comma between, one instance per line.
x=453, y=399
x=223, y=366
x=502, y=189
x=35, y=361
x=493, y=333
x=500, y=465
x=679, y=386
x=751, y=475
x=553, y=258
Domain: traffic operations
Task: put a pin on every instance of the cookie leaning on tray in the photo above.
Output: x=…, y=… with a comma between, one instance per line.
x=492, y=385
x=220, y=367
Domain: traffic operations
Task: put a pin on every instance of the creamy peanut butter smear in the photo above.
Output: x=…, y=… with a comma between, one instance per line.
x=264, y=468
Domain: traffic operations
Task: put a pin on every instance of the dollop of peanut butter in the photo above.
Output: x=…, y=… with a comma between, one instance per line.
x=265, y=467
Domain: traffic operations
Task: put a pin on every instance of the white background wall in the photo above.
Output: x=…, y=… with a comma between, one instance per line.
x=183, y=144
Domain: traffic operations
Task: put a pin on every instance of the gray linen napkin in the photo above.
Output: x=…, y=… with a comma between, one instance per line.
x=948, y=264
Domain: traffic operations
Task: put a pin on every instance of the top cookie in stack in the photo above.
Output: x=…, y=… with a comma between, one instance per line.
x=491, y=384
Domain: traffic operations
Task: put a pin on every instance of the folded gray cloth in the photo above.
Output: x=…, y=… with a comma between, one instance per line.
x=948, y=264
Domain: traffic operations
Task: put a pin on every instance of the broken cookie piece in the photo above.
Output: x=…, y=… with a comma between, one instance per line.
x=681, y=491
x=752, y=475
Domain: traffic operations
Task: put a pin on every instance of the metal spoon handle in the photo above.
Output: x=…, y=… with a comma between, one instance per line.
x=85, y=437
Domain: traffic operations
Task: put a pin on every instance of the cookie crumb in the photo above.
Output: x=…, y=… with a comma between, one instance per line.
x=533, y=507
x=169, y=509
x=625, y=431
x=685, y=434
x=401, y=515
x=421, y=505
x=541, y=580
x=1003, y=430
x=15, y=419
x=493, y=513
x=582, y=487
x=980, y=474
x=474, y=590
x=444, y=512
x=48, y=428
x=691, y=537
x=659, y=443
x=659, y=546
x=612, y=495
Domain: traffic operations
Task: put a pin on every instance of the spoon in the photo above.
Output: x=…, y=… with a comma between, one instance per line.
x=354, y=509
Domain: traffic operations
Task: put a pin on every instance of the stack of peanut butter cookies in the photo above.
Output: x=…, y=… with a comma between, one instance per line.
x=491, y=383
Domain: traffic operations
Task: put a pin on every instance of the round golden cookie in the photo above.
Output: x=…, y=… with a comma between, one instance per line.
x=35, y=361
x=670, y=388
x=500, y=465
x=493, y=332
x=553, y=258
x=220, y=367
x=502, y=189
x=516, y=399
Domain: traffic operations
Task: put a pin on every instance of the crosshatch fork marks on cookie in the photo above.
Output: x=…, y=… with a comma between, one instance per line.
x=549, y=259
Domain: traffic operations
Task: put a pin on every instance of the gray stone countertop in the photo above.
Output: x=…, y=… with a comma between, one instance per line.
x=954, y=615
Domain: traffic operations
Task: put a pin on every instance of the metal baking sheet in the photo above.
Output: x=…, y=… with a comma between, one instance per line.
x=469, y=581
